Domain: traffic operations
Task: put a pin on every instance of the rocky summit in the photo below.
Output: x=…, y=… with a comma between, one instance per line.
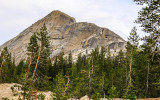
x=66, y=35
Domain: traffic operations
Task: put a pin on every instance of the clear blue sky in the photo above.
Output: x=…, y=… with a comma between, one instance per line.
x=117, y=15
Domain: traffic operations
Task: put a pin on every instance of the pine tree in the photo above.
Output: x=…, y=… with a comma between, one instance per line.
x=7, y=66
x=120, y=72
x=69, y=65
x=55, y=68
x=132, y=46
x=60, y=89
x=149, y=18
x=20, y=71
x=45, y=51
x=32, y=49
x=32, y=52
x=38, y=58
x=41, y=69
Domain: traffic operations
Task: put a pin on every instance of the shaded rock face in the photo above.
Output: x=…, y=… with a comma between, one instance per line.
x=66, y=35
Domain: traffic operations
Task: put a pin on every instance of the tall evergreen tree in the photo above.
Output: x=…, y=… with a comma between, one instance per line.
x=42, y=63
x=32, y=53
x=69, y=65
x=132, y=47
x=7, y=66
x=45, y=51
x=149, y=19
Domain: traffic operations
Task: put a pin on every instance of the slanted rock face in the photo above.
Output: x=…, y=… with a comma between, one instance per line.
x=84, y=98
x=66, y=35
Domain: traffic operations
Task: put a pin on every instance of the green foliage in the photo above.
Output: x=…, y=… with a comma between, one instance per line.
x=149, y=20
x=131, y=93
x=95, y=76
x=41, y=96
x=45, y=51
x=7, y=68
x=5, y=99
x=96, y=96
x=59, y=91
x=129, y=75
x=113, y=92
x=32, y=52
x=44, y=63
x=33, y=45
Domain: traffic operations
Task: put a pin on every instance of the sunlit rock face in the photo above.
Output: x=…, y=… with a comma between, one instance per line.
x=66, y=35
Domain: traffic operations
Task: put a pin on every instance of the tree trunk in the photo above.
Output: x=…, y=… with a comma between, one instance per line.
x=26, y=75
x=29, y=67
x=67, y=85
x=126, y=77
x=130, y=72
x=147, y=78
x=103, y=85
x=36, y=65
x=89, y=75
x=112, y=79
x=92, y=65
x=35, y=69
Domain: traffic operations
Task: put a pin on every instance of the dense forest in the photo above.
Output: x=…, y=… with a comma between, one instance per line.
x=131, y=74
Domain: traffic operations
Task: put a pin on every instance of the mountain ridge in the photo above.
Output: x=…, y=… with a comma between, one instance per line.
x=66, y=35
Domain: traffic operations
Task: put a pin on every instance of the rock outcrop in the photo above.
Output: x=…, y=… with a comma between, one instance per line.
x=85, y=98
x=66, y=35
x=8, y=90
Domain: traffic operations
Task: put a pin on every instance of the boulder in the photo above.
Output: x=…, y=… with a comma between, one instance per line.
x=84, y=98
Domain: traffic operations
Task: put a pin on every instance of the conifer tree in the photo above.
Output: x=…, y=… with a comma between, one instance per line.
x=132, y=46
x=45, y=51
x=32, y=49
x=55, y=68
x=7, y=66
x=39, y=61
x=60, y=89
x=42, y=65
x=149, y=19
x=32, y=52
x=69, y=65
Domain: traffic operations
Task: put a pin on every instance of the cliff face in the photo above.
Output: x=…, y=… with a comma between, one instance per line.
x=66, y=35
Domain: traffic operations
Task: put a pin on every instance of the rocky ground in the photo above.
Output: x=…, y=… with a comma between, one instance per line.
x=6, y=92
